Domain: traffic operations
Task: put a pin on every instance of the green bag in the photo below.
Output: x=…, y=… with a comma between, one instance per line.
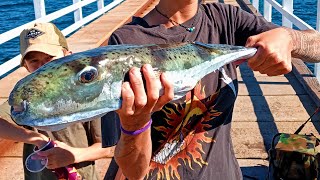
x=294, y=157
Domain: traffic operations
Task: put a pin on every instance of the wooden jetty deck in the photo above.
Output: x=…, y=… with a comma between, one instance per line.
x=265, y=105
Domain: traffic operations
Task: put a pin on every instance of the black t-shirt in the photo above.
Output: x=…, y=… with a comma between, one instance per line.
x=191, y=136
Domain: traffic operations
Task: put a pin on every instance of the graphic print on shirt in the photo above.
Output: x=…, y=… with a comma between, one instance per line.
x=184, y=143
x=226, y=79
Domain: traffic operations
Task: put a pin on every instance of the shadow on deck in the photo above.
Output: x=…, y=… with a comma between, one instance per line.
x=265, y=107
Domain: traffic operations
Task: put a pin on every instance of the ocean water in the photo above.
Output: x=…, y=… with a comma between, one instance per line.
x=14, y=13
x=304, y=9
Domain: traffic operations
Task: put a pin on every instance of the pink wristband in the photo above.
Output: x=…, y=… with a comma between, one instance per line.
x=136, y=132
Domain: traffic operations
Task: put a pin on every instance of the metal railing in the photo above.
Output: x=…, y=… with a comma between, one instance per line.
x=289, y=19
x=40, y=16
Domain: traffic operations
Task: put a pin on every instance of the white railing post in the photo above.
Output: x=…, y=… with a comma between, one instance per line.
x=317, y=65
x=288, y=6
x=318, y=16
x=100, y=4
x=255, y=3
x=77, y=13
x=39, y=8
x=267, y=10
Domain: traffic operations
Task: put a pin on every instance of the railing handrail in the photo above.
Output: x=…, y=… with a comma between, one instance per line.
x=286, y=9
x=290, y=16
x=6, y=36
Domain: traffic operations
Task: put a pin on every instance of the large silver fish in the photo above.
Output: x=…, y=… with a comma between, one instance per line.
x=86, y=85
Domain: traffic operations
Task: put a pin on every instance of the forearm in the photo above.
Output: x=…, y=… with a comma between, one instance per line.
x=306, y=45
x=93, y=153
x=16, y=133
x=133, y=154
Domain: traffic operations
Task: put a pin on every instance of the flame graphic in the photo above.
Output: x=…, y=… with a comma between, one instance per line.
x=183, y=134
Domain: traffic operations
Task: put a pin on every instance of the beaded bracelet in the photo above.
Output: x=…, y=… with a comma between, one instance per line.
x=136, y=132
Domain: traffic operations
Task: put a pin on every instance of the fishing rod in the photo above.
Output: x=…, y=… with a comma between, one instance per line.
x=302, y=126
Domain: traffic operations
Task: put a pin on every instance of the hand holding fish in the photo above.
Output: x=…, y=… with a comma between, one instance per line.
x=274, y=52
x=138, y=103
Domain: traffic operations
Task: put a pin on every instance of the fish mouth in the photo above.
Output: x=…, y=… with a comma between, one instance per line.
x=19, y=109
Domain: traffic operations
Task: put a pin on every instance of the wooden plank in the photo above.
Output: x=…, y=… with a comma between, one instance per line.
x=140, y=13
x=10, y=148
x=7, y=83
x=274, y=108
x=2, y=100
x=210, y=1
x=244, y=70
x=11, y=160
x=251, y=162
x=307, y=80
x=96, y=33
x=147, y=7
x=251, y=139
x=231, y=2
x=247, y=6
x=277, y=85
x=102, y=166
x=11, y=168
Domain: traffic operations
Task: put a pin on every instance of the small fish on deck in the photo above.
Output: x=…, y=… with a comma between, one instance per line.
x=86, y=85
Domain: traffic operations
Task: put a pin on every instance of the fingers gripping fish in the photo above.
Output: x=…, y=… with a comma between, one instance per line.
x=85, y=85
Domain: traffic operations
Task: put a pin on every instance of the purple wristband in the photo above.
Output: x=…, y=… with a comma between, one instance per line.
x=50, y=144
x=136, y=132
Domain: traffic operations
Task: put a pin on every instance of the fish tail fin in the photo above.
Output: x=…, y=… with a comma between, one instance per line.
x=221, y=49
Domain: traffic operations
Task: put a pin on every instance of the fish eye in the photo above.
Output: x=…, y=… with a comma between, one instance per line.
x=88, y=74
